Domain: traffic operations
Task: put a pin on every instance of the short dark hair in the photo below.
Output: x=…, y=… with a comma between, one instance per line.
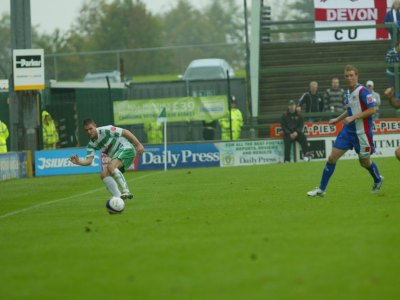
x=87, y=122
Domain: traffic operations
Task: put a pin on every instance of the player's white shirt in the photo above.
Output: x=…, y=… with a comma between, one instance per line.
x=109, y=140
x=356, y=102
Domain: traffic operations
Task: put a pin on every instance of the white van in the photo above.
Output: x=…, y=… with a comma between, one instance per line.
x=208, y=68
x=113, y=76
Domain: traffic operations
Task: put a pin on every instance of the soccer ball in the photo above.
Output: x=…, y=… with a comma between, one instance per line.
x=115, y=205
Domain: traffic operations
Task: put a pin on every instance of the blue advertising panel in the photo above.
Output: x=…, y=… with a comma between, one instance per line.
x=179, y=156
x=9, y=166
x=57, y=162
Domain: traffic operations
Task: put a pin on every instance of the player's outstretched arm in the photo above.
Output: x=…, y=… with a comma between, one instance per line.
x=81, y=162
x=389, y=93
x=132, y=138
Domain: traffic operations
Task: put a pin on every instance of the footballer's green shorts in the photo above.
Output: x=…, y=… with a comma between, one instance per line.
x=126, y=156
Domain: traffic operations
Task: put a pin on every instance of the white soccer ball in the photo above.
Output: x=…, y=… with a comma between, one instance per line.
x=115, y=205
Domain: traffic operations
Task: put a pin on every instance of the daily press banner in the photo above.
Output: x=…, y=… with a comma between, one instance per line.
x=210, y=108
x=334, y=13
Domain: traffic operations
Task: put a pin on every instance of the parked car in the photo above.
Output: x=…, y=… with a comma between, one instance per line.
x=208, y=68
x=114, y=76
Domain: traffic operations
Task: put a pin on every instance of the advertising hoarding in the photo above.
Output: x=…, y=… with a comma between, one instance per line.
x=179, y=156
x=28, y=67
x=209, y=108
x=322, y=129
x=9, y=165
x=57, y=162
x=334, y=13
x=245, y=153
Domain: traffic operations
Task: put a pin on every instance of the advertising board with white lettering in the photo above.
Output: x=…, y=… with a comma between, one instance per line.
x=57, y=162
x=326, y=129
x=385, y=145
x=9, y=165
x=208, y=108
x=244, y=153
x=333, y=13
x=179, y=156
x=28, y=66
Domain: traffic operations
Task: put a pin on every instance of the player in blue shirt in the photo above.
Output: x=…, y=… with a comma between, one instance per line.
x=395, y=102
x=356, y=133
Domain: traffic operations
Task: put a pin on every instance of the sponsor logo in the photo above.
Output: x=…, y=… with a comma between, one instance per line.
x=370, y=98
x=28, y=61
x=346, y=14
x=113, y=128
x=310, y=129
x=228, y=160
x=316, y=149
x=383, y=126
x=51, y=163
x=182, y=157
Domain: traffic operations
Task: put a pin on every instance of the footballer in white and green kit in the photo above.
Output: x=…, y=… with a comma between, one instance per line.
x=120, y=145
x=111, y=142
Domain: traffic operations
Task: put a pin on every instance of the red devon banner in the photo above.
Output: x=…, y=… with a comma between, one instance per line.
x=335, y=13
x=321, y=129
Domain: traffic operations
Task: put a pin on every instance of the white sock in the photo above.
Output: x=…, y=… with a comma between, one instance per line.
x=112, y=186
x=119, y=177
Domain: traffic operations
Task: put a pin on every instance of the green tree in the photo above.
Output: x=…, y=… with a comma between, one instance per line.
x=183, y=25
x=5, y=38
x=57, y=66
x=219, y=23
x=226, y=25
x=101, y=26
x=5, y=46
x=303, y=10
x=161, y=43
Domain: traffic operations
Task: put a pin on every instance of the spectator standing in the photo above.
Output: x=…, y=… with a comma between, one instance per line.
x=392, y=56
x=292, y=124
x=393, y=17
x=312, y=100
x=377, y=97
x=395, y=102
x=50, y=134
x=154, y=132
x=334, y=97
x=3, y=137
x=237, y=123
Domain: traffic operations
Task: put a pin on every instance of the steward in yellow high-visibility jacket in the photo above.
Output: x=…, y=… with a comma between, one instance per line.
x=154, y=132
x=50, y=134
x=237, y=124
x=3, y=137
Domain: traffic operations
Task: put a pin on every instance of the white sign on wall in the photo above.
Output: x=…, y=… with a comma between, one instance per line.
x=245, y=153
x=385, y=145
x=334, y=13
x=28, y=67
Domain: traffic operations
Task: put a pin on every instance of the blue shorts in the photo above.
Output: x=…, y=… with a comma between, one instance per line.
x=362, y=143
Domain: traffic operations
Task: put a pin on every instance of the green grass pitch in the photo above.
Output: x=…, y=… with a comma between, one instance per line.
x=214, y=233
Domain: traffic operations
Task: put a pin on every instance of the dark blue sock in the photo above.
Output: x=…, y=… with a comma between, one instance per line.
x=373, y=170
x=326, y=175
